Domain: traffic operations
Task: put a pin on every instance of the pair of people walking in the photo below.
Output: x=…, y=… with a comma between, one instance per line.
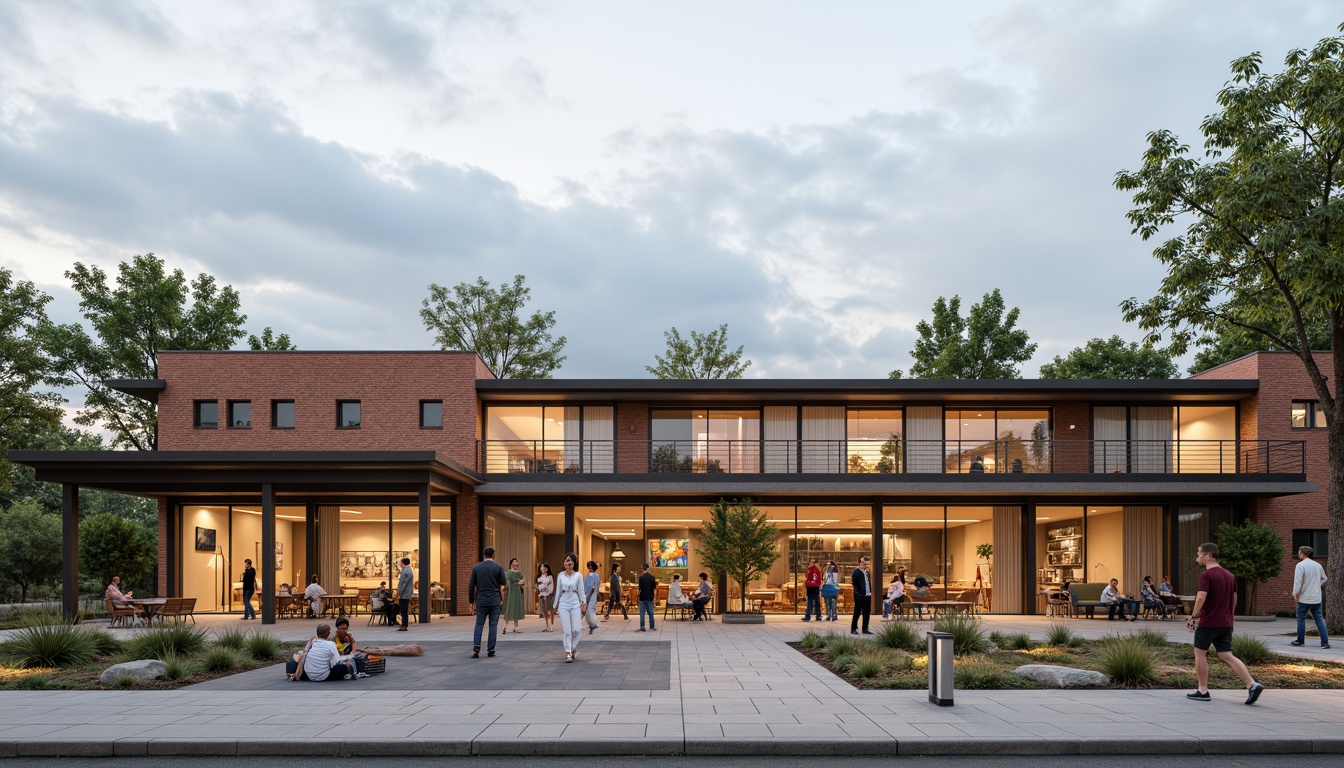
x=485, y=594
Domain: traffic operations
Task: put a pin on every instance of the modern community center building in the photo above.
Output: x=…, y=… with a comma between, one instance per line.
x=338, y=464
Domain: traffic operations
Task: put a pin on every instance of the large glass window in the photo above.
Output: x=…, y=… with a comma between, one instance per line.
x=913, y=545
x=997, y=441
x=705, y=440
x=552, y=438
x=217, y=539
x=873, y=439
x=1164, y=439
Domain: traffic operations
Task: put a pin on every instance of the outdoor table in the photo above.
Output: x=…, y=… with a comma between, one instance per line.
x=759, y=598
x=949, y=606
x=150, y=605
x=342, y=604
x=1189, y=601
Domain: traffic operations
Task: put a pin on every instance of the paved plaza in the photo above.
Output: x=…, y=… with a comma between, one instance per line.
x=727, y=690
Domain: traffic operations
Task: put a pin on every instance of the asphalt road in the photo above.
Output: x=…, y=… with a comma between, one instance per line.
x=1074, y=761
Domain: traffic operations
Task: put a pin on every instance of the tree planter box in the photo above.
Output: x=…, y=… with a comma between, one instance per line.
x=743, y=618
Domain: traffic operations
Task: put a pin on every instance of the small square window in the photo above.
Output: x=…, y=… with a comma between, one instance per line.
x=207, y=414
x=431, y=414
x=347, y=414
x=1316, y=538
x=1301, y=415
x=282, y=414
x=240, y=414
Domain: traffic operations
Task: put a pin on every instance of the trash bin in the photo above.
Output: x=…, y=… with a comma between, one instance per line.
x=940, y=668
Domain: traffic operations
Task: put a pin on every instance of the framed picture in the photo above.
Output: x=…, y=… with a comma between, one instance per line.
x=669, y=553
x=205, y=539
x=279, y=556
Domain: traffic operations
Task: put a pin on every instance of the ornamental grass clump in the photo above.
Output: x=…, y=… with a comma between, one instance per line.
x=811, y=639
x=157, y=643
x=867, y=666
x=220, y=659
x=60, y=644
x=105, y=644
x=967, y=636
x=175, y=667
x=1250, y=649
x=1060, y=636
x=1127, y=661
x=1151, y=638
x=263, y=646
x=845, y=646
x=1016, y=641
x=898, y=635
x=235, y=639
x=980, y=675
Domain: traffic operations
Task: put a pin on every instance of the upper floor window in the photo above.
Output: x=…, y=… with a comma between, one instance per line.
x=705, y=440
x=1307, y=414
x=240, y=414
x=282, y=414
x=347, y=414
x=1316, y=538
x=873, y=440
x=207, y=414
x=431, y=414
x=997, y=441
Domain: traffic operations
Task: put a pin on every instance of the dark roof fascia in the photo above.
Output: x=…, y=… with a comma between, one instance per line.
x=1025, y=390
x=145, y=389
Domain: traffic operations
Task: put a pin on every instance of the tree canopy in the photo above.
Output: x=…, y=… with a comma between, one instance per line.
x=1252, y=551
x=148, y=311
x=30, y=546
x=983, y=345
x=703, y=356
x=1262, y=244
x=1111, y=359
x=269, y=341
x=488, y=321
x=738, y=541
x=24, y=369
x=114, y=546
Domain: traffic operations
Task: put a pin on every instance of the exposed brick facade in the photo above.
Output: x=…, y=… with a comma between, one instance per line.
x=467, y=520
x=1074, y=457
x=632, y=434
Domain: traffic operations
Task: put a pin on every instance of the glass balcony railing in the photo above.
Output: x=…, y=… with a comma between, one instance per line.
x=892, y=456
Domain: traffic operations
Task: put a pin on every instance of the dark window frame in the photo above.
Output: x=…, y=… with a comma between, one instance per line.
x=340, y=408
x=1313, y=408
x=275, y=410
x=229, y=410
x=196, y=414
x=1312, y=537
x=423, y=403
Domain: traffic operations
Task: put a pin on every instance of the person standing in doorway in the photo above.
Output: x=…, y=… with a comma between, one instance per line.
x=515, y=605
x=830, y=591
x=249, y=589
x=614, y=599
x=405, y=588
x=863, y=597
x=485, y=595
x=572, y=603
x=648, y=587
x=813, y=585
x=1211, y=621
x=591, y=581
x=546, y=596
x=1308, y=577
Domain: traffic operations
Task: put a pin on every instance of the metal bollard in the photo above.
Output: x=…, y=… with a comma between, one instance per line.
x=940, y=668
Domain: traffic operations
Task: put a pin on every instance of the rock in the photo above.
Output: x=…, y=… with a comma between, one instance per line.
x=1062, y=677
x=148, y=669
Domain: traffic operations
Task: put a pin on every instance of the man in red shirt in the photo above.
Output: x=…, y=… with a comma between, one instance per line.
x=813, y=584
x=1211, y=621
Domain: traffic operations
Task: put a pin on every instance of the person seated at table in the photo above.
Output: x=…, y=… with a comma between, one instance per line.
x=674, y=594
x=382, y=601
x=313, y=594
x=349, y=649
x=702, y=595
x=1151, y=599
x=123, y=599
x=1117, y=602
x=921, y=590
x=895, y=597
x=1169, y=596
x=319, y=660
x=285, y=590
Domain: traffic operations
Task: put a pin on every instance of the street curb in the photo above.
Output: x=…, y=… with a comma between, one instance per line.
x=180, y=747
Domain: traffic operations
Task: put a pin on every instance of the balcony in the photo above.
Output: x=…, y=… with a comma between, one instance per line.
x=893, y=456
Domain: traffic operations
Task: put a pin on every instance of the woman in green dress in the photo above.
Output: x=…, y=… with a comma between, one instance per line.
x=515, y=604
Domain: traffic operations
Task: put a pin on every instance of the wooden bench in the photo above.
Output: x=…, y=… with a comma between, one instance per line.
x=119, y=613
x=178, y=609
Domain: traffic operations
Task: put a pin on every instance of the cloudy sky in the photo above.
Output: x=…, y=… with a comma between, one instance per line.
x=813, y=175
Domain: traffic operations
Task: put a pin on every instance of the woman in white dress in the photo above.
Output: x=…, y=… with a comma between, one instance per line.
x=546, y=597
x=570, y=601
x=674, y=594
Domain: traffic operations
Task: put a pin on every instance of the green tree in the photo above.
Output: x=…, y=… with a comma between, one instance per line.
x=30, y=546
x=983, y=345
x=703, y=356
x=146, y=313
x=740, y=542
x=1251, y=551
x=269, y=342
x=477, y=318
x=1111, y=359
x=114, y=546
x=25, y=486
x=1231, y=342
x=23, y=369
x=1263, y=237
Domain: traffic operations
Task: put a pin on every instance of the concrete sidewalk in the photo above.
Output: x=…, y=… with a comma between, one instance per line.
x=732, y=690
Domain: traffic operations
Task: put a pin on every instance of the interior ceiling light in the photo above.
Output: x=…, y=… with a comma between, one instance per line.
x=351, y=511
x=616, y=552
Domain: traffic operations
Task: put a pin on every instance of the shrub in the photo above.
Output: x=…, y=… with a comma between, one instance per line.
x=51, y=645
x=1128, y=661
x=124, y=681
x=899, y=636
x=263, y=646
x=832, y=637
x=220, y=659
x=1059, y=635
x=845, y=646
x=1017, y=641
x=105, y=644
x=899, y=662
x=1251, y=650
x=175, y=667
x=980, y=675
x=867, y=666
x=844, y=661
x=967, y=637
x=811, y=639
x=235, y=639
x=1151, y=638
x=35, y=683
x=178, y=639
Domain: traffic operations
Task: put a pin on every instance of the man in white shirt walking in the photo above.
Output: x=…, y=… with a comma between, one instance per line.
x=1307, y=580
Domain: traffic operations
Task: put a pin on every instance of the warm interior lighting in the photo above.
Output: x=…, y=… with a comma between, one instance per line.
x=288, y=517
x=351, y=511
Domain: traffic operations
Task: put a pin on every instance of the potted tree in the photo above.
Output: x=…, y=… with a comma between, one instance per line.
x=740, y=543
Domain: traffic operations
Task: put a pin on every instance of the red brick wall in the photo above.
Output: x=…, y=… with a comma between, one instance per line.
x=162, y=591
x=632, y=435
x=468, y=544
x=1267, y=416
x=390, y=386
x=1072, y=454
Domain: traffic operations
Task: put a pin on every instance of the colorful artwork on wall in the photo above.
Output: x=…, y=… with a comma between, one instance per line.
x=669, y=553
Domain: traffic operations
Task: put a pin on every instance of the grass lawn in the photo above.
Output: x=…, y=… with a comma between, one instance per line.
x=895, y=658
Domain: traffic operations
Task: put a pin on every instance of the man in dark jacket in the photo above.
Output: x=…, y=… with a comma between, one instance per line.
x=863, y=597
x=648, y=586
x=249, y=589
x=485, y=594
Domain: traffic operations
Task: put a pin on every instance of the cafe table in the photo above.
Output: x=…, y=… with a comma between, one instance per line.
x=150, y=605
x=949, y=606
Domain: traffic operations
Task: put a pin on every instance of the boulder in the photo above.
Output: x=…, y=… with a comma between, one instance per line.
x=1062, y=677
x=148, y=669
